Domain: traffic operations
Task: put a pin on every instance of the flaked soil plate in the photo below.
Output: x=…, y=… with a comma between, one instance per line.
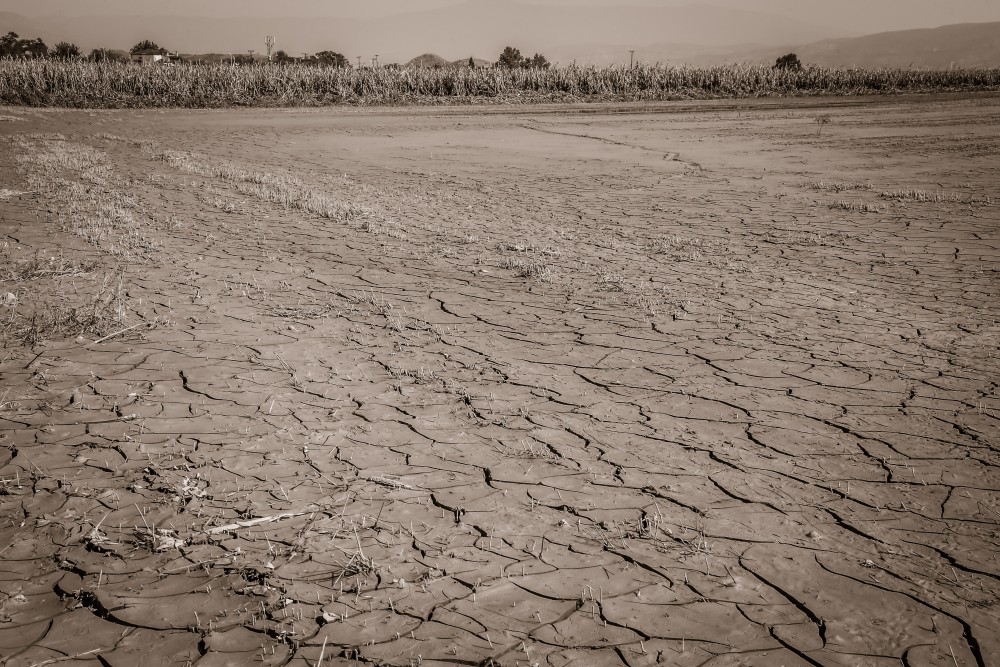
x=712, y=386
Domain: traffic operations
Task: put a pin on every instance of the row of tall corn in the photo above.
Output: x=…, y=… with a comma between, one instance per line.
x=127, y=85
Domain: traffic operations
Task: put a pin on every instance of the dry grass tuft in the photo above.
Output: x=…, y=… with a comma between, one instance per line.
x=92, y=201
x=855, y=206
x=840, y=187
x=683, y=249
x=39, y=266
x=31, y=321
x=281, y=189
x=922, y=196
x=528, y=268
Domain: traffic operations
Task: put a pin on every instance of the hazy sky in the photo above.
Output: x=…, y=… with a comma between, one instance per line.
x=860, y=16
x=398, y=30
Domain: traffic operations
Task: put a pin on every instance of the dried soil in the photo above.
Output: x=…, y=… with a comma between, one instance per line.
x=673, y=386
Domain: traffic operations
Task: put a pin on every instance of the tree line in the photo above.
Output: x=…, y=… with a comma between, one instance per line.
x=13, y=45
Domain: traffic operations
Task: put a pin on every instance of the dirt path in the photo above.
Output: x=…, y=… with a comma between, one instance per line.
x=714, y=388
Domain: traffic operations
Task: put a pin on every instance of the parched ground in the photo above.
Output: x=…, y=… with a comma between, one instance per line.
x=679, y=386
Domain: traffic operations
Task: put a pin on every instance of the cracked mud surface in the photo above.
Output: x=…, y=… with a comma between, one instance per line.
x=595, y=389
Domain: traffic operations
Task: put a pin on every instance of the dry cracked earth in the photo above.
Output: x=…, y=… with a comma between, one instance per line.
x=669, y=385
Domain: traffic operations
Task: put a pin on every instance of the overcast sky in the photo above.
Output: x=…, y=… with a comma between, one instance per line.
x=402, y=29
x=860, y=16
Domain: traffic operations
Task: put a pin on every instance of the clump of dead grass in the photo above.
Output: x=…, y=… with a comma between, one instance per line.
x=611, y=281
x=303, y=312
x=114, y=228
x=683, y=249
x=855, y=206
x=841, y=187
x=92, y=201
x=30, y=321
x=391, y=228
x=40, y=265
x=281, y=189
x=528, y=268
x=922, y=196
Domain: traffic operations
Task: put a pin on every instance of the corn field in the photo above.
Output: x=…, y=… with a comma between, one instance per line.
x=84, y=84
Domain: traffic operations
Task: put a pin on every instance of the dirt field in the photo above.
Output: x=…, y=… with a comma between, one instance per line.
x=691, y=386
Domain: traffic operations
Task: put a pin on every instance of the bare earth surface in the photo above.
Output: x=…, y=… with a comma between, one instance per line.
x=458, y=387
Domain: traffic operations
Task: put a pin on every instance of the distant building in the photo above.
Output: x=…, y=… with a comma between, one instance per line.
x=151, y=56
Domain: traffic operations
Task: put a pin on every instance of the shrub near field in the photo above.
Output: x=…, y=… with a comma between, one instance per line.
x=117, y=84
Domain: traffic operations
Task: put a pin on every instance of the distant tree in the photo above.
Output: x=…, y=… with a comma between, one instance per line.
x=510, y=58
x=330, y=58
x=109, y=55
x=66, y=51
x=243, y=59
x=146, y=45
x=8, y=45
x=789, y=61
x=35, y=48
x=538, y=60
x=472, y=63
x=12, y=46
x=281, y=57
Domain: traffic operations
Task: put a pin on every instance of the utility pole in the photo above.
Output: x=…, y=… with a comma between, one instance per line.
x=251, y=55
x=375, y=61
x=269, y=42
x=359, y=62
x=631, y=57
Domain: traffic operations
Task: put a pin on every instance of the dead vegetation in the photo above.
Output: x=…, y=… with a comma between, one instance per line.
x=30, y=320
x=282, y=189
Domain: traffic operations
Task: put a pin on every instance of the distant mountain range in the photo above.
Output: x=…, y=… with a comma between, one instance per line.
x=434, y=60
x=959, y=45
x=698, y=35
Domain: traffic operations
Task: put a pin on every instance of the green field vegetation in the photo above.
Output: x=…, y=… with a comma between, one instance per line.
x=83, y=84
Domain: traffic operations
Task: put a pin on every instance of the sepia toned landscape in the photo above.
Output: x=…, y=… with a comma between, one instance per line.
x=696, y=383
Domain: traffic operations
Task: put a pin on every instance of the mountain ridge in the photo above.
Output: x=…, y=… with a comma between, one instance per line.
x=942, y=47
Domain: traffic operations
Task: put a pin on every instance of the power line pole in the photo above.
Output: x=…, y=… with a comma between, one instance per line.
x=269, y=41
x=631, y=57
x=375, y=61
x=359, y=61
